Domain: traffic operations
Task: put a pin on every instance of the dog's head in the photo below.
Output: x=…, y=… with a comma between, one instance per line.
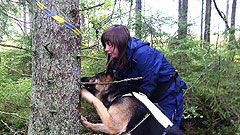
x=98, y=84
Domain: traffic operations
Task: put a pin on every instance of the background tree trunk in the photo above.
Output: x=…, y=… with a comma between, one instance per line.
x=232, y=28
x=207, y=21
x=201, y=34
x=24, y=16
x=227, y=12
x=227, y=16
x=182, y=18
x=56, y=72
x=138, y=20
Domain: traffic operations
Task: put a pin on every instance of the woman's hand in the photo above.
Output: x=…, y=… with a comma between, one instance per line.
x=87, y=95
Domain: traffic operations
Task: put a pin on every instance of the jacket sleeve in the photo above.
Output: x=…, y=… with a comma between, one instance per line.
x=148, y=63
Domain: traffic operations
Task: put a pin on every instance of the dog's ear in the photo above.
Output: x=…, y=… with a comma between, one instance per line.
x=111, y=74
x=105, y=76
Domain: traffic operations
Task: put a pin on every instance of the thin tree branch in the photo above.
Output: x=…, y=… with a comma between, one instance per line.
x=108, y=18
x=84, y=9
x=7, y=14
x=221, y=14
x=10, y=103
x=12, y=46
x=90, y=47
x=96, y=58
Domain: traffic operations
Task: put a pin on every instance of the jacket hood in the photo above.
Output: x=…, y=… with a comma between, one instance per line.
x=133, y=45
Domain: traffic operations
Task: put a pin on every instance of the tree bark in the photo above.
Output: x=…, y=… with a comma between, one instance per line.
x=232, y=38
x=207, y=21
x=201, y=34
x=182, y=18
x=138, y=20
x=24, y=16
x=227, y=14
x=56, y=72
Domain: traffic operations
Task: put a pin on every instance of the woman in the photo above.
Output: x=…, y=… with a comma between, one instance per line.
x=130, y=57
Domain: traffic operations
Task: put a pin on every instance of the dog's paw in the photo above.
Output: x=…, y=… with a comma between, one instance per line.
x=83, y=118
x=84, y=121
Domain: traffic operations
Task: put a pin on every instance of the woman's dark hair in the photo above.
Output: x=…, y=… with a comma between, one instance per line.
x=118, y=35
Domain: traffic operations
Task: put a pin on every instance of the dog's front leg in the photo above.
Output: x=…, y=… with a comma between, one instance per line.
x=94, y=126
x=101, y=109
x=103, y=113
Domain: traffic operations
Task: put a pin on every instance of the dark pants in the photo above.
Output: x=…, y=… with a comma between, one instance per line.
x=172, y=106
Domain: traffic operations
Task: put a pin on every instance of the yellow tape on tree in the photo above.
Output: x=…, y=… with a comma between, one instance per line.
x=58, y=18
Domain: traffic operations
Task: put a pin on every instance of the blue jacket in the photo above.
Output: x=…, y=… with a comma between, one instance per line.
x=150, y=64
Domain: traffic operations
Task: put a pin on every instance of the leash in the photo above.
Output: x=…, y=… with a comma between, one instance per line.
x=158, y=114
x=144, y=118
x=57, y=18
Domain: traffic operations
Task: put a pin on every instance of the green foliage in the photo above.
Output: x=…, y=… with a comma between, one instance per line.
x=153, y=27
x=212, y=97
x=95, y=19
x=14, y=89
x=9, y=13
x=24, y=41
x=14, y=98
x=93, y=62
x=19, y=60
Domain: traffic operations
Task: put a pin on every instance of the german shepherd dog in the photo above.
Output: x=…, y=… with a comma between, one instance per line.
x=120, y=113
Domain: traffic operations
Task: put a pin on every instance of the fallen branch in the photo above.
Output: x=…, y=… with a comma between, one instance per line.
x=12, y=130
x=4, y=123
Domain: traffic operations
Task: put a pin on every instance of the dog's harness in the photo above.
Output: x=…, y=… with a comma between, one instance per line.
x=156, y=112
x=144, y=118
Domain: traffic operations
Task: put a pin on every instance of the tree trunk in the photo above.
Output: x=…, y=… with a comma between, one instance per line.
x=138, y=20
x=182, y=18
x=207, y=21
x=227, y=13
x=201, y=34
x=56, y=72
x=226, y=17
x=232, y=29
x=24, y=16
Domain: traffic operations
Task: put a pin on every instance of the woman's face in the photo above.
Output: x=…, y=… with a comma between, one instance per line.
x=111, y=50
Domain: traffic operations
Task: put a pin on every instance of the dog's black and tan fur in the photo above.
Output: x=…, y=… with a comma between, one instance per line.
x=119, y=114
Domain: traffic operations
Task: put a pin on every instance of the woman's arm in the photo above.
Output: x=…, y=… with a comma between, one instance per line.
x=148, y=63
